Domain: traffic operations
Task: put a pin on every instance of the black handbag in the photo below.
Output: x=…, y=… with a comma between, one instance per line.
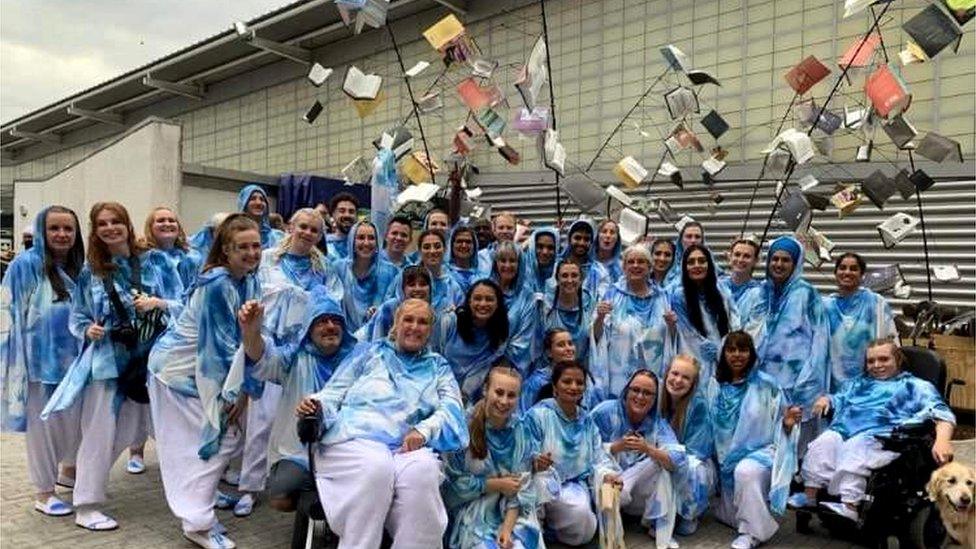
x=137, y=337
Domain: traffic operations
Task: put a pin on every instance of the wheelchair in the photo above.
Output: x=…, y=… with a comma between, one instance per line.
x=310, y=530
x=895, y=509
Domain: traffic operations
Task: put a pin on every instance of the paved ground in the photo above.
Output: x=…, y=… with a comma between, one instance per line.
x=139, y=505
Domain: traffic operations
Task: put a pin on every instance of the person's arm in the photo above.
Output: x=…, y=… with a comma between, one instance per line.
x=942, y=449
x=603, y=308
x=83, y=322
x=508, y=525
x=445, y=430
x=462, y=485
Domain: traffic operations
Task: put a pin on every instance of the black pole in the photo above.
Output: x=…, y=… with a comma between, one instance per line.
x=762, y=171
x=552, y=101
x=925, y=238
x=413, y=103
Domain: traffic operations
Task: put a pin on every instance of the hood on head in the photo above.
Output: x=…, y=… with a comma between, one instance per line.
x=40, y=233
x=351, y=240
x=532, y=259
x=319, y=305
x=245, y=195
x=450, y=245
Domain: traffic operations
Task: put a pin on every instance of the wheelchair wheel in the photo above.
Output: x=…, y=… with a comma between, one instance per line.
x=925, y=531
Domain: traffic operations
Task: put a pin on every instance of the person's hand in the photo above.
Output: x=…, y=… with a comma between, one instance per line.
x=413, y=441
x=145, y=303
x=603, y=308
x=542, y=462
x=504, y=538
x=792, y=416
x=369, y=313
x=250, y=316
x=235, y=410
x=821, y=406
x=942, y=451
x=635, y=444
x=95, y=332
x=618, y=445
x=307, y=407
x=671, y=318
x=506, y=485
x=613, y=479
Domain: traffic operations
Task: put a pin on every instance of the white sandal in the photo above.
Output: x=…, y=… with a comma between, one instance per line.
x=96, y=521
x=53, y=507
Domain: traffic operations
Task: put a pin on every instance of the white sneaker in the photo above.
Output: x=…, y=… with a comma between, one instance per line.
x=135, y=465
x=744, y=541
x=841, y=509
x=210, y=540
x=232, y=477
x=53, y=507
x=95, y=521
x=244, y=506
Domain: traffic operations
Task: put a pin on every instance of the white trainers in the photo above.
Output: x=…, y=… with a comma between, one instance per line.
x=232, y=477
x=210, y=540
x=53, y=507
x=744, y=541
x=244, y=506
x=841, y=509
x=95, y=521
x=135, y=465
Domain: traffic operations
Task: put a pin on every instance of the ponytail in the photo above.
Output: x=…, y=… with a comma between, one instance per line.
x=476, y=431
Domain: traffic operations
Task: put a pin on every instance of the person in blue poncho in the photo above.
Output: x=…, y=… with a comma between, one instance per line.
x=742, y=256
x=301, y=368
x=253, y=201
x=662, y=257
x=503, y=226
x=436, y=219
x=445, y=292
x=36, y=349
x=412, y=283
x=482, y=229
x=701, y=312
x=462, y=256
x=629, y=331
x=473, y=337
x=786, y=318
x=646, y=449
x=579, y=249
x=557, y=346
x=345, y=209
x=608, y=248
x=755, y=435
x=197, y=386
x=856, y=315
x=572, y=464
x=885, y=397
x=397, y=239
x=201, y=241
x=540, y=256
x=489, y=489
x=686, y=410
x=385, y=412
x=691, y=233
x=365, y=277
x=570, y=307
x=118, y=308
x=510, y=272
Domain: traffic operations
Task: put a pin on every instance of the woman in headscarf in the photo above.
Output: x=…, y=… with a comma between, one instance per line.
x=489, y=489
x=629, y=331
x=413, y=283
x=445, y=292
x=755, y=433
x=365, y=277
x=662, y=258
x=608, y=248
x=508, y=270
x=473, y=337
x=572, y=464
x=856, y=316
x=701, y=312
x=540, y=256
x=645, y=447
x=786, y=318
x=197, y=386
x=462, y=256
x=385, y=412
x=118, y=308
x=570, y=307
x=36, y=349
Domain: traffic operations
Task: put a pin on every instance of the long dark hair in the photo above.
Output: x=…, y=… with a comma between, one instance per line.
x=73, y=261
x=738, y=339
x=579, y=291
x=709, y=289
x=497, y=326
x=476, y=425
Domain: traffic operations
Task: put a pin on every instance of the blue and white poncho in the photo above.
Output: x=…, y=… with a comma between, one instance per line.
x=726, y=284
x=301, y=369
x=105, y=359
x=614, y=264
x=360, y=294
x=578, y=321
x=337, y=245
x=791, y=331
x=464, y=276
x=523, y=316
x=286, y=281
x=854, y=321
x=674, y=273
x=183, y=263
x=695, y=483
x=379, y=325
x=200, y=356
x=35, y=343
x=445, y=292
x=478, y=514
x=747, y=422
x=380, y=394
x=876, y=406
x=540, y=274
x=635, y=336
x=689, y=340
x=596, y=279
x=269, y=236
x=541, y=376
x=470, y=362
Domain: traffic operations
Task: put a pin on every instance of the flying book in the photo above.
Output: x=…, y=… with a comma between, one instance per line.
x=681, y=102
x=418, y=68
x=421, y=192
x=860, y=53
x=633, y=226
x=443, y=32
x=846, y=200
x=676, y=58
x=887, y=92
x=806, y=74
x=630, y=172
x=900, y=131
x=357, y=171
x=417, y=167
x=361, y=86
x=483, y=68
x=938, y=148
x=313, y=112
x=554, y=154
x=398, y=139
x=530, y=122
x=430, y=103
x=476, y=97
x=715, y=124
x=585, y=193
x=896, y=228
x=878, y=188
x=318, y=75
x=932, y=30
x=533, y=74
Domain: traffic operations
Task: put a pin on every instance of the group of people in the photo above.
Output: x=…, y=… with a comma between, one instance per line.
x=484, y=389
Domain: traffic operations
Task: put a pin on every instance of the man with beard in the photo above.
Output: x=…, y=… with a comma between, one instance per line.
x=580, y=250
x=344, y=207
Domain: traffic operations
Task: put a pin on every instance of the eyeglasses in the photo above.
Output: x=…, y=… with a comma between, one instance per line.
x=642, y=392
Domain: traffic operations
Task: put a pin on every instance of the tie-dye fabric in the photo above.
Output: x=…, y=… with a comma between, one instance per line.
x=269, y=235
x=695, y=483
x=539, y=274
x=445, y=292
x=689, y=340
x=464, y=276
x=523, y=316
x=872, y=406
x=854, y=321
x=470, y=362
x=726, y=283
x=360, y=294
x=541, y=376
x=578, y=321
x=286, y=281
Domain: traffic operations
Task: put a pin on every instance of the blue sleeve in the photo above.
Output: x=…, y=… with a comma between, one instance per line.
x=219, y=335
x=446, y=429
x=83, y=312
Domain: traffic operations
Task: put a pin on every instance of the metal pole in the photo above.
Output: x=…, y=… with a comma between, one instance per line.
x=552, y=100
x=413, y=102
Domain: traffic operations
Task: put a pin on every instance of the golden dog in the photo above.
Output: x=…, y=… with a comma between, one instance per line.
x=951, y=488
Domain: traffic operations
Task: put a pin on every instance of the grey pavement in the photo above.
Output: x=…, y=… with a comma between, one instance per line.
x=138, y=503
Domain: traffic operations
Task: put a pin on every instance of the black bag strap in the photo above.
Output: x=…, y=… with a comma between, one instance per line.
x=113, y=295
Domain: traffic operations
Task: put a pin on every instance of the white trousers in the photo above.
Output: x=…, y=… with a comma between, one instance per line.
x=144, y=429
x=364, y=487
x=747, y=509
x=842, y=465
x=49, y=443
x=104, y=434
x=260, y=417
x=570, y=516
x=639, y=481
x=190, y=482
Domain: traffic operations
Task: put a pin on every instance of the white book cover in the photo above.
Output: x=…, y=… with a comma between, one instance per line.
x=359, y=85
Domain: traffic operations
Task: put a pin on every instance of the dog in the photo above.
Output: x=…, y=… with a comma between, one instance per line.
x=951, y=488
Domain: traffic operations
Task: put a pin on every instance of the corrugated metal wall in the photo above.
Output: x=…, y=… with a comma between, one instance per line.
x=949, y=209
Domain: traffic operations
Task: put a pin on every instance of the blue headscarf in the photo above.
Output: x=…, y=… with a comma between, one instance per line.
x=269, y=235
x=464, y=277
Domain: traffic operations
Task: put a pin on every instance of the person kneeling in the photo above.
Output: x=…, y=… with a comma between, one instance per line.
x=884, y=397
x=385, y=412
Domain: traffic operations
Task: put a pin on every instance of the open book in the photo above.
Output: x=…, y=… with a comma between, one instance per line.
x=359, y=85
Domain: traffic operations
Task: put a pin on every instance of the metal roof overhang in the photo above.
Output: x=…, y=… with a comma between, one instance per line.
x=309, y=24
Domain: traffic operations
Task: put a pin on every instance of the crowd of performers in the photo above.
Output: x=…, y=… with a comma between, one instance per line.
x=478, y=391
